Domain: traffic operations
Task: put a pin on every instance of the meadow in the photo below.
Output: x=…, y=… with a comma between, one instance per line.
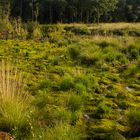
x=70, y=81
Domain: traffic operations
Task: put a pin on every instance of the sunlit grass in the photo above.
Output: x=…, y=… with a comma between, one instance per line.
x=14, y=100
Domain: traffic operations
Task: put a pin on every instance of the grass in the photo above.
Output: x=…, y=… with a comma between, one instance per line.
x=79, y=83
x=60, y=131
x=133, y=116
x=14, y=100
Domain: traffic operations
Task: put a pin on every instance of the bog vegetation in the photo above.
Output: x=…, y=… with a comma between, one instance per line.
x=70, y=82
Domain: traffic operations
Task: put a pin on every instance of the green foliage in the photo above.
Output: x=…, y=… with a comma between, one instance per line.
x=137, y=138
x=34, y=30
x=74, y=102
x=115, y=136
x=80, y=88
x=67, y=83
x=59, y=132
x=67, y=87
x=14, y=107
x=44, y=84
x=78, y=30
x=103, y=110
x=74, y=52
x=133, y=116
x=6, y=29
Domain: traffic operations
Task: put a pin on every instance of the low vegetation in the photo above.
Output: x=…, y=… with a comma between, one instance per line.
x=63, y=82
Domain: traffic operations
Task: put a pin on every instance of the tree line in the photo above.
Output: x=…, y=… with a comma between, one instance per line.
x=69, y=11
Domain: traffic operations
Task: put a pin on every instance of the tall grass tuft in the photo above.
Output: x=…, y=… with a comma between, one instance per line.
x=14, y=101
x=61, y=131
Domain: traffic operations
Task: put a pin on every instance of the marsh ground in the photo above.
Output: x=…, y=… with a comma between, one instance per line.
x=83, y=82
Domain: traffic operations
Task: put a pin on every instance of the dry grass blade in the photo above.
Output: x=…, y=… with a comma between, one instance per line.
x=13, y=97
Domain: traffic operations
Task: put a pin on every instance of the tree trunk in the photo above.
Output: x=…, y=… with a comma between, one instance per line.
x=50, y=14
x=81, y=15
x=32, y=10
x=21, y=8
x=98, y=16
